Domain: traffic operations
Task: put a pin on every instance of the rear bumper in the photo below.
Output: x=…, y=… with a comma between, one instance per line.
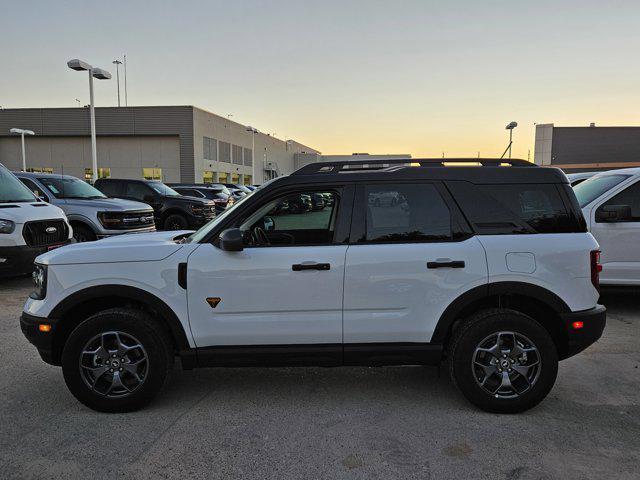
x=593, y=323
x=43, y=341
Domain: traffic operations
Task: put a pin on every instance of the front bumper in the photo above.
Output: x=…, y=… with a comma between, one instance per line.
x=43, y=341
x=593, y=323
x=16, y=261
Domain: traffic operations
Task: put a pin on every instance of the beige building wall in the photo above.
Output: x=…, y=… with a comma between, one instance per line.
x=272, y=156
x=126, y=156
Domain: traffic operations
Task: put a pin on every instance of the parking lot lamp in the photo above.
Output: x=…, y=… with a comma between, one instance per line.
x=510, y=127
x=118, y=63
x=22, y=132
x=100, y=74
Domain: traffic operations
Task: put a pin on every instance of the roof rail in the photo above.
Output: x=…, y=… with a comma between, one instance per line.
x=369, y=165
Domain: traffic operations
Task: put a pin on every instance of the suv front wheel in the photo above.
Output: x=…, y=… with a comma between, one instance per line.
x=117, y=360
x=503, y=361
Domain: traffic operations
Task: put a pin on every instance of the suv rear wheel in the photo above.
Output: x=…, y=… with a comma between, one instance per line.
x=117, y=360
x=503, y=361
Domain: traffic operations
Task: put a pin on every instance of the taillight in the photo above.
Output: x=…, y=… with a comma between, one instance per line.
x=596, y=268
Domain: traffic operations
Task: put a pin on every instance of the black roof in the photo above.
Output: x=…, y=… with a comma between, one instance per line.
x=474, y=170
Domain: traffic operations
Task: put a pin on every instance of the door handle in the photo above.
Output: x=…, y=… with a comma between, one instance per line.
x=298, y=267
x=446, y=264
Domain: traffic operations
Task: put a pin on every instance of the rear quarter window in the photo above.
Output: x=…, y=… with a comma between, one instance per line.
x=517, y=208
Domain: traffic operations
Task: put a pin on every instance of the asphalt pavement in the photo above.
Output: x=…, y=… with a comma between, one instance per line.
x=316, y=423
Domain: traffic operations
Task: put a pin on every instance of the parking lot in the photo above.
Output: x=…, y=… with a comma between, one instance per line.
x=402, y=422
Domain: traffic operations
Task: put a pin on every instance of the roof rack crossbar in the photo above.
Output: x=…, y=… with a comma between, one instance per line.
x=368, y=165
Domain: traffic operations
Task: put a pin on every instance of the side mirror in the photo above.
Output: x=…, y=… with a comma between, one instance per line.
x=231, y=240
x=613, y=213
x=269, y=223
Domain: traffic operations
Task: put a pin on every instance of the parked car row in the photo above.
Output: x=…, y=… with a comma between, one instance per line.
x=40, y=211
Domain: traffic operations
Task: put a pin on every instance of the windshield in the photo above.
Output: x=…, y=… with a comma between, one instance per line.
x=163, y=189
x=590, y=189
x=206, y=228
x=70, y=187
x=12, y=190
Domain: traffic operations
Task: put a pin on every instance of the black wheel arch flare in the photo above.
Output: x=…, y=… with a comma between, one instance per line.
x=477, y=295
x=126, y=292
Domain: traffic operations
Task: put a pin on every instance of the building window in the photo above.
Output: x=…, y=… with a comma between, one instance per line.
x=206, y=151
x=208, y=176
x=102, y=173
x=237, y=154
x=248, y=157
x=223, y=177
x=210, y=148
x=247, y=179
x=235, y=178
x=152, y=173
x=225, y=152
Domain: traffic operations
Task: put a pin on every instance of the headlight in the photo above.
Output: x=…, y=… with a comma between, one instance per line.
x=7, y=226
x=196, y=208
x=109, y=219
x=39, y=276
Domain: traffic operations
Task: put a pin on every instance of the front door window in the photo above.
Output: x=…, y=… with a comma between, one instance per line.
x=304, y=218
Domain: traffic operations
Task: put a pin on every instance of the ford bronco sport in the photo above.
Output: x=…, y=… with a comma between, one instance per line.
x=488, y=267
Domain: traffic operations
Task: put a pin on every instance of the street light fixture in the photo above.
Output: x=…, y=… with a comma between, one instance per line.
x=22, y=132
x=100, y=74
x=510, y=126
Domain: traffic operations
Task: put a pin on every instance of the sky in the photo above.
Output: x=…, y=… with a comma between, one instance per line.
x=421, y=77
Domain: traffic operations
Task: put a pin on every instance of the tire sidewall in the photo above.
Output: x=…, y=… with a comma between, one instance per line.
x=158, y=361
x=464, y=349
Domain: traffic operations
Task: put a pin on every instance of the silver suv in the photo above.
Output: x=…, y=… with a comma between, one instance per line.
x=91, y=214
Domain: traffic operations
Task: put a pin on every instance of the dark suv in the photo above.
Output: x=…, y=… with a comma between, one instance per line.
x=171, y=210
x=218, y=193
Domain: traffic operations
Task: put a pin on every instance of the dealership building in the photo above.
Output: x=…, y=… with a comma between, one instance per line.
x=169, y=143
x=590, y=148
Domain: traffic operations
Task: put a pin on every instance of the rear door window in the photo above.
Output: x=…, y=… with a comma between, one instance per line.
x=110, y=188
x=137, y=191
x=405, y=213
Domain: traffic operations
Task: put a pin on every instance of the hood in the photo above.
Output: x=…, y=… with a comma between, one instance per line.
x=133, y=247
x=108, y=204
x=21, y=212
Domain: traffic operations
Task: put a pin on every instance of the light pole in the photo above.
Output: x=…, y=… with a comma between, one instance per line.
x=117, y=63
x=100, y=74
x=253, y=132
x=126, y=100
x=22, y=133
x=510, y=127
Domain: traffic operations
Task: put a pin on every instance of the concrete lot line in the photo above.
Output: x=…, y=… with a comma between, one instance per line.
x=315, y=423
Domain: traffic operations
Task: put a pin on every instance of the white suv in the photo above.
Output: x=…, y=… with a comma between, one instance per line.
x=610, y=203
x=28, y=227
x=489, y=267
